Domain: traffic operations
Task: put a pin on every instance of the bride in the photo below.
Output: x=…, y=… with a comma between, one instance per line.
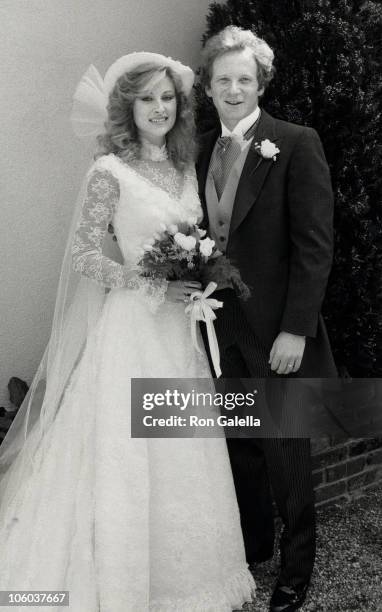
x=123, y=524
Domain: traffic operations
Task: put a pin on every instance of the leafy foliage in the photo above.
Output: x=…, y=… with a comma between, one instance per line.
x=328, y=75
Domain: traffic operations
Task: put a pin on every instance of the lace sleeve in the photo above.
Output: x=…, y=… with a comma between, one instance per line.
x=98, y=209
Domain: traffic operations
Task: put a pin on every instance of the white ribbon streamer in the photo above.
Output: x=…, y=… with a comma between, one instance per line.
x=201, y=308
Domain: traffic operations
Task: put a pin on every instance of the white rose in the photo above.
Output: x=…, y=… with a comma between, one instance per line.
x=202, y=232
x=268, y=149
x=172, y=229
x=186, y=242
x=206, y=246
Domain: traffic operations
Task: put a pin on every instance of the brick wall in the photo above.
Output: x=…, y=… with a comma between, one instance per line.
x=344, y=470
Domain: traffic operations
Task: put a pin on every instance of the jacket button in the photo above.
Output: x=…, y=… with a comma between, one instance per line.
x=222, y=238
x=221, y=223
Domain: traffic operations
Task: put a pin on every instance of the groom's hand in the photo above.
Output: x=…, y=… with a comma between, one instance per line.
x=180, y=291
x=287, y=353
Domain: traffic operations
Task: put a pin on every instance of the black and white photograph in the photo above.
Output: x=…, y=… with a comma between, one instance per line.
x=191, y=306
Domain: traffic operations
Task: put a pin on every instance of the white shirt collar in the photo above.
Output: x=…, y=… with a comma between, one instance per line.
x=243, y=126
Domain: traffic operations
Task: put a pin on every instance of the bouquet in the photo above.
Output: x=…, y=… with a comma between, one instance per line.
x=185, y=252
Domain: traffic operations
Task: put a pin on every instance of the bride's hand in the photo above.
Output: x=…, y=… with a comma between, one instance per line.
x=180, y=291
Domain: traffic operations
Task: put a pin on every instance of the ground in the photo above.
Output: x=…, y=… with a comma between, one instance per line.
x=348, y=571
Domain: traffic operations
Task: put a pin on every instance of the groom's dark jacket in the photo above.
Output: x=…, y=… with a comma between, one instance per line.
x=281, y=236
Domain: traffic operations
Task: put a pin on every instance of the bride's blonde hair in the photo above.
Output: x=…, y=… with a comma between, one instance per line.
x=121, y=135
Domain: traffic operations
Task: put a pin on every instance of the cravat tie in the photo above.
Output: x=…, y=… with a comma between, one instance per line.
x=227, y=151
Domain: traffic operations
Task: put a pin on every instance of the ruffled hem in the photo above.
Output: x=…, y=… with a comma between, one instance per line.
x=238, y=590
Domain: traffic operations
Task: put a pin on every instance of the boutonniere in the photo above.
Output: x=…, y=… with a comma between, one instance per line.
x=267, y=149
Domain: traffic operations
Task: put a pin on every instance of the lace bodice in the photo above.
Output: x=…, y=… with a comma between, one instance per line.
x=136, y=198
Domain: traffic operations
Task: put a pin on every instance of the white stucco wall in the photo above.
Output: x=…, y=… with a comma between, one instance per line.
x=45, y=46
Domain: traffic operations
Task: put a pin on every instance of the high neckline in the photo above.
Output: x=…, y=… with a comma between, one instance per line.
x=151, y=152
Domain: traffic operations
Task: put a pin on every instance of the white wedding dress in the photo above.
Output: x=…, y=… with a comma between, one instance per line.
x=123, y=524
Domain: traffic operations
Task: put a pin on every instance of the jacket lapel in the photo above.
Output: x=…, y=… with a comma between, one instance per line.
x=254, y=172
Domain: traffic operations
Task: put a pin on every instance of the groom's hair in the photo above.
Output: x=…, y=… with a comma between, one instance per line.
x=233, y=38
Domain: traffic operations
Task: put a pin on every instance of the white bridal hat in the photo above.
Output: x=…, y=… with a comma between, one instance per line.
x=90, y=99
x=129, y=62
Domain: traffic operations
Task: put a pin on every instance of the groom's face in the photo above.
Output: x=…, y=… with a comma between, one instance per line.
x=234, y=87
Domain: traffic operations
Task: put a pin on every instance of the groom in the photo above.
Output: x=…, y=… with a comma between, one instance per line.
x=267, y=198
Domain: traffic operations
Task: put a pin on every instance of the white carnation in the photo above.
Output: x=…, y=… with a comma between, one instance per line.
x=268, y=149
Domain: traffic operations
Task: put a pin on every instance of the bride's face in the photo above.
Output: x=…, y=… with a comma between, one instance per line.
x=155, y=109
